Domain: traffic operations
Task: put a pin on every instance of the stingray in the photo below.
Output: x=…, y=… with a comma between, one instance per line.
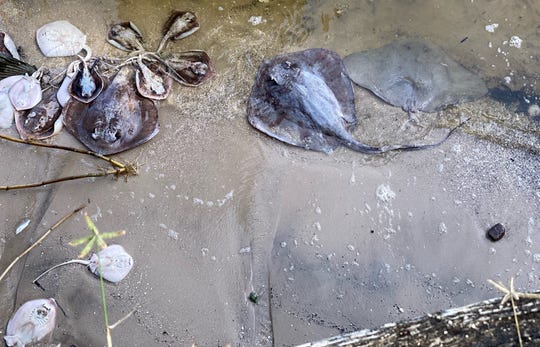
x=415, y=75
x=306, y=99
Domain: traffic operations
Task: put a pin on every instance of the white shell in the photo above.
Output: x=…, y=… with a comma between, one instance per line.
x=6, y=111
x=115, y=263
x=33, y=321
x=10, y=45
x=25, y=93
x=60, y=39
x=8, y=82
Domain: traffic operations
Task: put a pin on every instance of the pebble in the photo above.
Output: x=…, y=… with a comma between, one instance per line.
x=496, y=232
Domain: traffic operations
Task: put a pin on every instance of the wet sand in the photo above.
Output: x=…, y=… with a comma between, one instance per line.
x=331, y=243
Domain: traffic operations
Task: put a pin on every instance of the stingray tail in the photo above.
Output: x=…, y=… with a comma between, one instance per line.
x=360, y=147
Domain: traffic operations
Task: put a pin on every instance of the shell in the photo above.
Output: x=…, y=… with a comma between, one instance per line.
x=125, y=36
x=7, y=46
x=190, y=68
x=25, y=93
x=152, y=81
x=60, y=39
x=179, y=25
x=87, y=84
x=41, y=121
x=116, y=263
x=6, y=111
x=117, y=120
x=33, y=321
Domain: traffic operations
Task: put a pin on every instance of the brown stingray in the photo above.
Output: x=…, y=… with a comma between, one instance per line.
x=40, y=122
x=190, y=68
x=117, y=120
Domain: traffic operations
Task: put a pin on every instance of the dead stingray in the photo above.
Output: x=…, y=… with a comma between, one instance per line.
x=117, y=120
x=306, y=99
x=415, y=75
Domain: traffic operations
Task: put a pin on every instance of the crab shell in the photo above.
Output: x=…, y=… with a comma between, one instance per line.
x=40, y=122
x=152, y=81
x=25, y=93
x=34, y=320
x=117, y=120
x=115, y=263
x=7, y=46
x=60, y=39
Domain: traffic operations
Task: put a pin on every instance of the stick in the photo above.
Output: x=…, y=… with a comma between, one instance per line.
x=56, y=225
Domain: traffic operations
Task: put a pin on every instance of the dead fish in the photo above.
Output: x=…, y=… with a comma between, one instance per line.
x=415, y=75
x=42, y=121
x=25, y=93
x=87, y=83
x=12, y=67
x=60, y=39
x=117, y=120
x=179, y=25
x=7, y=111
x=7, y=46
x=152, y=81
x=306, y=99
x=125, y=36
x=191, y=68
x=115, y=264
x=34, y=320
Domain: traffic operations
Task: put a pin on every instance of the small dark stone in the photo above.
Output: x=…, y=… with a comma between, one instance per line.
x=253, y=297
x=496, y=232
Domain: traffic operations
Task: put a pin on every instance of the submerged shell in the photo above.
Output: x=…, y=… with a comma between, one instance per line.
x=152, y=81
x=179, y=25
x=6, y=111
x=60, y=39
x=125, y=36
x=115, y=263
x=7, y=46
x=25, y=93
x=190, y=68
x=41, y=121
x=87, y=84
x=117, y=120
x=33, y=321
x=415, y=75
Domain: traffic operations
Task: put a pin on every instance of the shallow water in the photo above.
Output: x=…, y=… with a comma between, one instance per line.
x=332, y=243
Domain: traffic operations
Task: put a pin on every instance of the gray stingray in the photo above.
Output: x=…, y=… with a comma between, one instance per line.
x=306, y=99
x=415, y=75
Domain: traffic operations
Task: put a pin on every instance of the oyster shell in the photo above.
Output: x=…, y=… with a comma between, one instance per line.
x=7, y=46
x=25, y=93
x=179, y=25
x=125, y=36
x=42, y=121
x=34, y=320
x=152, y=81
x=60, y=39
x=190, y=68
x=117, y=120
x=87, y=83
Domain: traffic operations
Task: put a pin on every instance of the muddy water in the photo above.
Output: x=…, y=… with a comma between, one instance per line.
x=331, y=243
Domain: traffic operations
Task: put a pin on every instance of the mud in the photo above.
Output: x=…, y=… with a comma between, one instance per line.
x=331, y=243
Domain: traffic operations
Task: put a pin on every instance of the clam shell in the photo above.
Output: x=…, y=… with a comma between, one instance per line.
x=125, y=36
x=60, y=39
x=190, y=68
x=115, y=262
x=7, y=46
x=39, y=122
x=6, y=111
x=33, y=321
x=25, y=93
x=117, y=120
x=86, y=85
x=152, y=81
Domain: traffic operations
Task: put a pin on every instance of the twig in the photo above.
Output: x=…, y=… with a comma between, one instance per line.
x=121, y=320
x=56, y=225
x=64, y=148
